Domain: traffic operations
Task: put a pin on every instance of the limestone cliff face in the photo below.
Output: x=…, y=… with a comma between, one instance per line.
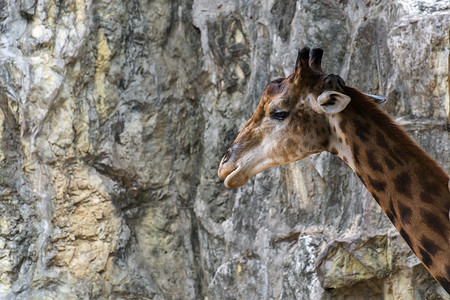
x=114, y=116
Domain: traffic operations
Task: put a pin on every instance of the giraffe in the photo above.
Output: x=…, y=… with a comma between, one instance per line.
x=310, y=112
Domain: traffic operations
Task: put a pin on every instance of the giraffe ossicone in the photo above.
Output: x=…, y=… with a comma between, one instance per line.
x=310, y=112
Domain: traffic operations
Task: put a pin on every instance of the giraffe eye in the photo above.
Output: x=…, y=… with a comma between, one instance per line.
x=279, y=115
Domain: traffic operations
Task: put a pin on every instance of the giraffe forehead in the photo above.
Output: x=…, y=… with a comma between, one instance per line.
x=280, y=98
x=274, y=87
x=286, y=92
x=279, y=102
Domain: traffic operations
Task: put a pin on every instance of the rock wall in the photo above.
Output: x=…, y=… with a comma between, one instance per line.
x=114, y=116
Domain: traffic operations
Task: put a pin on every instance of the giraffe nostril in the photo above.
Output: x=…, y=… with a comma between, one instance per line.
x=226, y=156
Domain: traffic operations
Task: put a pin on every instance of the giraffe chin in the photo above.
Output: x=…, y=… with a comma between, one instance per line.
x=235, y=179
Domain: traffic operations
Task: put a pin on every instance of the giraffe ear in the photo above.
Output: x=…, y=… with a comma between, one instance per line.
x=376, y=99
x=332, y=102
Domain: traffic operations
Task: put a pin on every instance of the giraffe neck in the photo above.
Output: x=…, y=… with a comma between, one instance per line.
x=409, y=186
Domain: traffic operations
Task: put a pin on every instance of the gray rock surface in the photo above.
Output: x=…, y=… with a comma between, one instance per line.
x=114, y=116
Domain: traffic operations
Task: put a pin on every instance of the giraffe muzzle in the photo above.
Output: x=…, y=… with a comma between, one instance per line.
x=231, y=170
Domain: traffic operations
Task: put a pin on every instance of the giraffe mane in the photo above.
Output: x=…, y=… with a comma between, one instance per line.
x=365, y=106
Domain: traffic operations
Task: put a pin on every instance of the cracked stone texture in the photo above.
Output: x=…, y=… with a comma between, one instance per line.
x=114, y=116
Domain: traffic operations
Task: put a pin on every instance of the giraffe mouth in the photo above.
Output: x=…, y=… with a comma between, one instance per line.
x=229, y=178
x=235, y=179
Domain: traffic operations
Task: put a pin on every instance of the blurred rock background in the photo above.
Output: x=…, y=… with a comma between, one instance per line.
x=114, y=116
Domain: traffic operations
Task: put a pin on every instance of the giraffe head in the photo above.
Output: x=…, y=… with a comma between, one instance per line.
x=290, y=122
